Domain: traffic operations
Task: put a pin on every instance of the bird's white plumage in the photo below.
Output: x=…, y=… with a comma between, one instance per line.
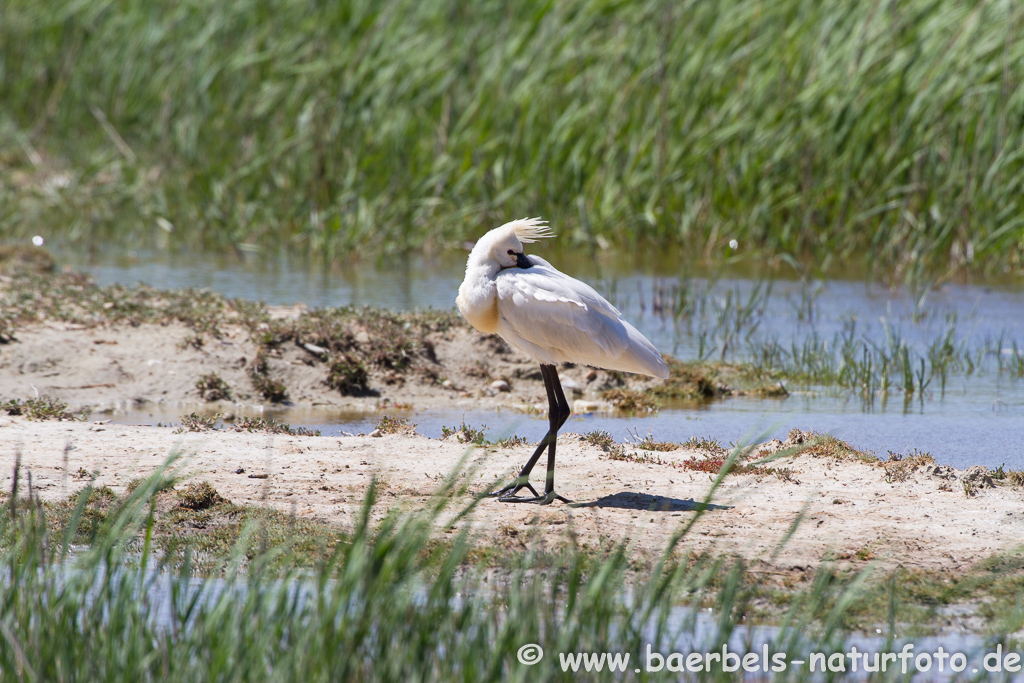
x=549, y=316
x=530, y=230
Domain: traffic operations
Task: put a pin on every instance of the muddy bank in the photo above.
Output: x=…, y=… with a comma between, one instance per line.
x=120, y=347
x=914, y=515
x=126, y=366
x=241, y=357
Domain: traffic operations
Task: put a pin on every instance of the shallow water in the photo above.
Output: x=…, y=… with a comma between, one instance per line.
x=986, y=439
x=976, y=419
x=684, y=630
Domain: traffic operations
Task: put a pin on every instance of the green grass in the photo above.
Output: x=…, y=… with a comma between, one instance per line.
x=831, y=133
x=257, y=595
x=871, y=368
x=734, y=359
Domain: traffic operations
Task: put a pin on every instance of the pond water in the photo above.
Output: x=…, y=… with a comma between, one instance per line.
x=679, y=629
x=973, y=417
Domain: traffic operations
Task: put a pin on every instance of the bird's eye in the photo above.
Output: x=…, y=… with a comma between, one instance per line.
x=511, y=252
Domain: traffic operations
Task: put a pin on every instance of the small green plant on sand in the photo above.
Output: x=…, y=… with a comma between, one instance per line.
x=511, y=441
x=899, y=466
x=212, y=388
x=599, y=438
x=42, y=408
x=630, y=401
x=271, y=426
x=199, y=496
x=465, y=434
x=348, y=375
x=714, y=464
x=394, y=425
x=619, y=452
x=259, y=372
x=194, y=422
x=827, y=446
x=165, y=484
x=699, y=443
x=1011, y=477
x=649, y=444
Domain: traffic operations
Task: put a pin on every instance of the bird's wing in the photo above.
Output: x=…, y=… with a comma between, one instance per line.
x=545, y=276
x=556, y=318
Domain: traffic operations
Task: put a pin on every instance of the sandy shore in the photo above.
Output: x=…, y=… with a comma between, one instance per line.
x=850, y=512
x=854, y=510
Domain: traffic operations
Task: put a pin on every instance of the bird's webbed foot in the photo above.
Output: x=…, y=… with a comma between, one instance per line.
x=512, y=489
x=547, y=499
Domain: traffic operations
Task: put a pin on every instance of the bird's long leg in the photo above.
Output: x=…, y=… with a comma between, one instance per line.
x=558, y=413
x=563, y=414
x=522, y=481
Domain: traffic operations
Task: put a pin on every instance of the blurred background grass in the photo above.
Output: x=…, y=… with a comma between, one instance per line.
x=882, y=136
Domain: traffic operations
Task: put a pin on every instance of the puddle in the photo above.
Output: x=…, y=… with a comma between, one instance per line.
x=985, y=439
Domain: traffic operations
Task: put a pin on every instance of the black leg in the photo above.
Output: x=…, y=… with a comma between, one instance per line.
x=522, y=481
x=558, y=413
x=563, y=414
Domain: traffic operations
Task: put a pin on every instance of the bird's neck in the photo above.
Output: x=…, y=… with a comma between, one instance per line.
x=478, y=300
x=482, y=272
x=480, y=257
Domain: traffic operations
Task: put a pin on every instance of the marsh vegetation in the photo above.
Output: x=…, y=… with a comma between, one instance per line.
x=170, y=580
x=796, y=139
x=887, y=137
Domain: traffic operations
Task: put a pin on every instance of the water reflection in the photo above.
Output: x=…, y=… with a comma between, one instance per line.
x=967, y=414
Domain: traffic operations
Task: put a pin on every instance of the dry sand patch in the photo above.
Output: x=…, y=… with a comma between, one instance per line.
x=850, y=512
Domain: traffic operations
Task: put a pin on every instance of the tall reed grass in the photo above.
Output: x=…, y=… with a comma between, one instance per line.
x=887, y=135
x=393, y=603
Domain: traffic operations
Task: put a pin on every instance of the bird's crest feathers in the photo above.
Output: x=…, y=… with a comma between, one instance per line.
x=531, y=229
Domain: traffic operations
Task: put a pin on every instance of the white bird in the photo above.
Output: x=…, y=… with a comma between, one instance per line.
x=553, y=319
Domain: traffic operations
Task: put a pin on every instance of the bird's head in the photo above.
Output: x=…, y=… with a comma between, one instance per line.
x=504, y=244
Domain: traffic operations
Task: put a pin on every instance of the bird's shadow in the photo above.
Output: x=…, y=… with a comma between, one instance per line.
x=628, y=500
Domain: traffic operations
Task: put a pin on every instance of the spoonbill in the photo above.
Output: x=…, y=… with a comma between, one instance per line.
x=552, y=318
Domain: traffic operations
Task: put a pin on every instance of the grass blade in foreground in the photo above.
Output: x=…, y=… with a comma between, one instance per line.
x=393, y=603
